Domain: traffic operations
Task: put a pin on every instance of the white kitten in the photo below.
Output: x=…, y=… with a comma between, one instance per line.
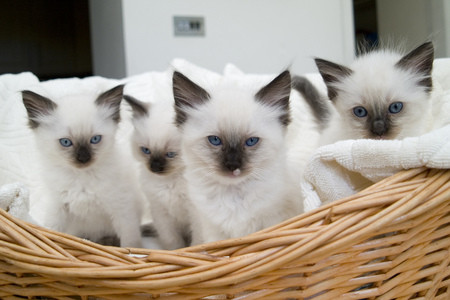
x=233, y=145
x=156, y=145
x=382, y=95
x=87, y=186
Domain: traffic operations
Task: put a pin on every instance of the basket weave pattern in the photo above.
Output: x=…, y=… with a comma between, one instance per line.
x=390, y=241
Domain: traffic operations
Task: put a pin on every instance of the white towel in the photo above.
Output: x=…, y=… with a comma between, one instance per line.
x=14, y=198
x=346, y=167
x=17, y=153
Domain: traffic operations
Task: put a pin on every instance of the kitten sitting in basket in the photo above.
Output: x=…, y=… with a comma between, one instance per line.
x=86, y=186
x=217, y=160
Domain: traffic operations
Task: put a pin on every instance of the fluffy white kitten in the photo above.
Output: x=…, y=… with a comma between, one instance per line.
x=156, y=145
x=233, y=145
x=382, y=95
x=87, y=189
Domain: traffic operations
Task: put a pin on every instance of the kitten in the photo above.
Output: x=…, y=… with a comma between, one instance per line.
x=87, y=188
x=382, y=95
x=233, y=145
x=156, y=145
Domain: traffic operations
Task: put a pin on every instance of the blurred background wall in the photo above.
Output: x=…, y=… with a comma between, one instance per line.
x=259, y=36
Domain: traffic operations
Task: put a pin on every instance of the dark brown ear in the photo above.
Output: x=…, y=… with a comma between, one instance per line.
x=332, y=73
x=112, y=99
x=187, y=95
x=36, y=106
x=277, y=93
x=420, y=61
x=140, y=109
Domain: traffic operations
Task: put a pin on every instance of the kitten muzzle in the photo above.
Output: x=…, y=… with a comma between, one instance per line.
x=83, y=155
x=232, y=159
x=380, y=127
x=157, y=164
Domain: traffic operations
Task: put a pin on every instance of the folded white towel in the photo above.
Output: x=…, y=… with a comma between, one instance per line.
x=346, y=167
x=14, y=198
x=16, y=82
x=17, y=152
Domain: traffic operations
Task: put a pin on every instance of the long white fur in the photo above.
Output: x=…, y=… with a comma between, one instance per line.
x=375, y=78
x=92, y=202
x=234, y=206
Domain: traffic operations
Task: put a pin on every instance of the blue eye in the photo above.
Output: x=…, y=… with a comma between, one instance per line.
x=171, y=154
x=145, y=150
x=214, y=140
x=252, y=141
x=360, y=112
x=96, y=139
x=395, y=107
x=66, y=142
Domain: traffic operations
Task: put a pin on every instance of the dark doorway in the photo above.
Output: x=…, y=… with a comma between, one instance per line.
x=50, y=38
x=366, y=26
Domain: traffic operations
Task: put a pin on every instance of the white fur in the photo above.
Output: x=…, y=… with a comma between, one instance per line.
x=166, y=193
x=376, y=79
x=94, y=201
x=243, y=202
x=303, y=135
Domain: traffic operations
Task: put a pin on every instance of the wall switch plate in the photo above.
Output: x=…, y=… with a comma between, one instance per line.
x=189, y=26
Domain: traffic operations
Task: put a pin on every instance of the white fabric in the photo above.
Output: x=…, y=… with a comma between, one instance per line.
x=14, y=198
x=16, y=146
x=346, y=167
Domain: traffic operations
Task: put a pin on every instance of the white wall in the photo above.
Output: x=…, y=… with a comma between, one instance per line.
x=446, y=27
x=108, y=49
x=414, y=22
x=259, y=36
x=440, y=26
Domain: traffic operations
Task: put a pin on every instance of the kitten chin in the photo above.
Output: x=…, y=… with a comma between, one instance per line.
x=87, y=187
x=234, y=150
x=156, y=146
x=382, y=95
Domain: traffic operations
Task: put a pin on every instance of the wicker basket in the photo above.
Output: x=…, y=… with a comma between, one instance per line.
x=390, y=241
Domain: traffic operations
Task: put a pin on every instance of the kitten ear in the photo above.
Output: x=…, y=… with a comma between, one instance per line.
x=332, y=73
x=111, y=99
x=187, y=95
x=277, y=93
x=36, y=106
x=420, y=61
x=140, y=109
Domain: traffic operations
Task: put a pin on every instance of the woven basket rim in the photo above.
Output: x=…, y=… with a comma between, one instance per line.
x=344, y=232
